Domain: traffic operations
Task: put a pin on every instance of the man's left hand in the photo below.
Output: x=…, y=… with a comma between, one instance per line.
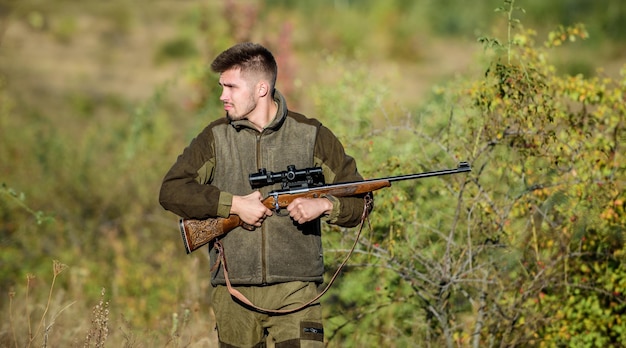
x=304, y=210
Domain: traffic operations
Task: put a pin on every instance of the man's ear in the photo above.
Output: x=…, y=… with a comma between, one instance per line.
x=263, y=89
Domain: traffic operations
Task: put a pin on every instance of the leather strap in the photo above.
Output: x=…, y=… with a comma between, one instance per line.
x=238, y=295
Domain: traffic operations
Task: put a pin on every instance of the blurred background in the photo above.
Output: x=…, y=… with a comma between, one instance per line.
x=97, y=98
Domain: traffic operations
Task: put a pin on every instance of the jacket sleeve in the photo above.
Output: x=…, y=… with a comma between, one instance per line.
x=339, y=167
x=185, y=189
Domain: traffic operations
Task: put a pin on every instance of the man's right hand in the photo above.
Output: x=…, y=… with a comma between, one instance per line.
x=250, y=208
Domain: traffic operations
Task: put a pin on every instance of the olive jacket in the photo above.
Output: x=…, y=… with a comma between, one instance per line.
x=216, y=165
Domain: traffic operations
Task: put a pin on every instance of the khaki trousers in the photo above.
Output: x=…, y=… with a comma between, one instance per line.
x=240, y=326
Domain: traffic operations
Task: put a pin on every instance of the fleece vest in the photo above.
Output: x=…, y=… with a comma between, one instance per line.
x=280, y=250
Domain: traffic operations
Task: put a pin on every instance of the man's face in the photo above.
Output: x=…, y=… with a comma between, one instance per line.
x=237, y=94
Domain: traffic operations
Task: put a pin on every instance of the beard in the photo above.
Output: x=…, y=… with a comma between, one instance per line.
x=241, y=112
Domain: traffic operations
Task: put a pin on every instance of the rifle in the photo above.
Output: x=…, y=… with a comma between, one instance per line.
x=305, y=183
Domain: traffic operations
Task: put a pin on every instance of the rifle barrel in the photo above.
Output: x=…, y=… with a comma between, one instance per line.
x=463, y=167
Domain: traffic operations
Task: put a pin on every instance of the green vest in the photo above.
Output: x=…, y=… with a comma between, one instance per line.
x=278, y=251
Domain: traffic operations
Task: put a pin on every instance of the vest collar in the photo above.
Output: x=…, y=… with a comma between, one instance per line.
x=275, y=124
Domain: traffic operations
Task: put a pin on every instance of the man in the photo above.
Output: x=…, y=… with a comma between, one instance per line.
x=279, y=265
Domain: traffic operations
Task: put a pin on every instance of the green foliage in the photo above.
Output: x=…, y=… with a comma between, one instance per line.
x=178, y=48
x=10, y=195
x=561, y=135
x=492, y=257
x=333, y=105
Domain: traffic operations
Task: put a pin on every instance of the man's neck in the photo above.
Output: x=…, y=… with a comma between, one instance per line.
x=265, y=116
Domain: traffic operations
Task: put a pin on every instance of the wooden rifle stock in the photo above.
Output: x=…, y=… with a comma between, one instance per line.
x=196, y=233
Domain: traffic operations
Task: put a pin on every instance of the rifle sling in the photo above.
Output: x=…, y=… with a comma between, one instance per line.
x=239, y=296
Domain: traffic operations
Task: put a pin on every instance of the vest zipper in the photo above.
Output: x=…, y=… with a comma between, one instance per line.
x=263, y=241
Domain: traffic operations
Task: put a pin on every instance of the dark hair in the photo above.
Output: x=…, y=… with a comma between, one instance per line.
x=249, y=57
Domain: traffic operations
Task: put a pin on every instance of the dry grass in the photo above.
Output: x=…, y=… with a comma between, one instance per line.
x=36, y=320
